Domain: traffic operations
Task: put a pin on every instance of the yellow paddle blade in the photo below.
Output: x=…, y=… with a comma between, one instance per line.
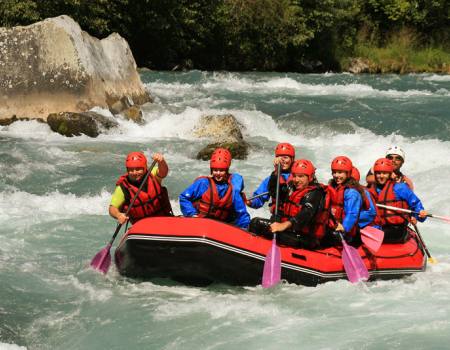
x=432, y=260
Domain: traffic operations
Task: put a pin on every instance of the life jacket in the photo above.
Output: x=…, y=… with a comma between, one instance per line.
x=153, y=200
x=292, y=207
x=283, y=183
x=210, y=205
x=337, y=206
x=387, y=197
x=400, y=177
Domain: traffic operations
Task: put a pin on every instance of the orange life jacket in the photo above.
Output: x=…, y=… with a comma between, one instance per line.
x=153, y=199
x=387, y=197
x=337, y=206
x=210, y=205
x=292, y=207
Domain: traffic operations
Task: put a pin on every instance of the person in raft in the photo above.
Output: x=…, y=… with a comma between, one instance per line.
x=303, y=212
x=217, y=196
x=397, y=194
x=347, y=199
x=284, y=155
x=153, y=199
x=368, y=213
x=397, y=155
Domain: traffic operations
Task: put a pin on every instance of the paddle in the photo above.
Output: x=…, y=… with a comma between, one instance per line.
x=102, y=260
x=354, y=266
x=430, y=259
x=272, y=264
x=257, y=196
x=447, y=219
x=372, y=238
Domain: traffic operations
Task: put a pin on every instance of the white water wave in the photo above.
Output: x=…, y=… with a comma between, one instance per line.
x=437, y=77
x=6, y=346
x=29, y=207
x=285, y=85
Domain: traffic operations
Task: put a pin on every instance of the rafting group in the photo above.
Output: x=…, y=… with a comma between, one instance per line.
x=314, y=214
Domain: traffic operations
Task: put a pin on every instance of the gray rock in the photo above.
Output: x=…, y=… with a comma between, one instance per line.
x=222, y=128
x=121, y=104
x=134, y=113
x=74, y=124
x=54, y=66
x=239, y=150
x=225, y=131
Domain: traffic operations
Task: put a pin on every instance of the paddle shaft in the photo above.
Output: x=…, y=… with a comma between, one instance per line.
x=422, y=243
x=277, y=191
x=133, y=200
x=411, y=212
x=257, y=196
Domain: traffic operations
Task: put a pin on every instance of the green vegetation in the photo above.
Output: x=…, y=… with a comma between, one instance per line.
x=280, y=35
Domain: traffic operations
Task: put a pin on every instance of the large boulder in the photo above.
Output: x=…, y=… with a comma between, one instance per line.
x=225, y=131
x=74, y=124
x=53, y=66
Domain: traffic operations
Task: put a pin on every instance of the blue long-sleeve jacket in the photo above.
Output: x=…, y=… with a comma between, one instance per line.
x=367, y=216
x=403, y=192
x=264, y=187
x=195, y=191
x=352, y=208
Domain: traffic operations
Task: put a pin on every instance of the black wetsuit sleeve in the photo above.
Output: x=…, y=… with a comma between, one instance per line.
x=310, y=203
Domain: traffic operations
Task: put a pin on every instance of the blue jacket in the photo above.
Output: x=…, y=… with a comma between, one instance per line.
x=264, y=187
x=367, y=216
x=404, y=193
x=195, y=191
x=352, y=208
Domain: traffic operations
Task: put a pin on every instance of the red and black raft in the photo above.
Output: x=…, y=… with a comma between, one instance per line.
x=198, y=251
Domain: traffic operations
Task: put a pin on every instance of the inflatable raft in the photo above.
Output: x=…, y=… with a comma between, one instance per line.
x=198, y=251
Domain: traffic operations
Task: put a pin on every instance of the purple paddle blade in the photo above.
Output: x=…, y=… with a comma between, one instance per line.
x=372, y=238
x=272, y=266
x=353, y=264
x=102, y=260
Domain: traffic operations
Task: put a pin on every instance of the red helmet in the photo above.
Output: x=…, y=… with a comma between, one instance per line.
x=136, y=160
x=220, y=159
x=303, y=166
x=342, y=163
x=285, y=149
x=383, y=165
x=355, y=174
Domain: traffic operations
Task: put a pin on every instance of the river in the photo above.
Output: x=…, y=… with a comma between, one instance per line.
x=55, y=191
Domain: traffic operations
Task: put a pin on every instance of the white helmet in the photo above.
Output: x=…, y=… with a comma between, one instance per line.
x=395, y=150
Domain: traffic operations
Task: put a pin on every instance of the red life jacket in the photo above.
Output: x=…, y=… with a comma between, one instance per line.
x=292, y=207
x=387, y=197
x=210, y=205
x=337, y=206
x=280, y=204
x=151, y=201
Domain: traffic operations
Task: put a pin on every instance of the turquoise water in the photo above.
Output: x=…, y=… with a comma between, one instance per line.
x=54, y=193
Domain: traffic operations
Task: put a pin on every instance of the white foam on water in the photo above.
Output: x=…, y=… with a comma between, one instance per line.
x=288, y=85
x=6, y=346
x=437, y=77
x=28, y=207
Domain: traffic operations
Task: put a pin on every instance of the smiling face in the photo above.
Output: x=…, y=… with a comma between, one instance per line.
x=219, y=175
x=300, y=181
x=339, y=176
x=135, y=174
x=381, y=177
x=397, y=161
x=286, y=162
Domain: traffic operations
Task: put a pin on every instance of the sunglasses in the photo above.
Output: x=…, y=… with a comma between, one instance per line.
x=394, y=158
